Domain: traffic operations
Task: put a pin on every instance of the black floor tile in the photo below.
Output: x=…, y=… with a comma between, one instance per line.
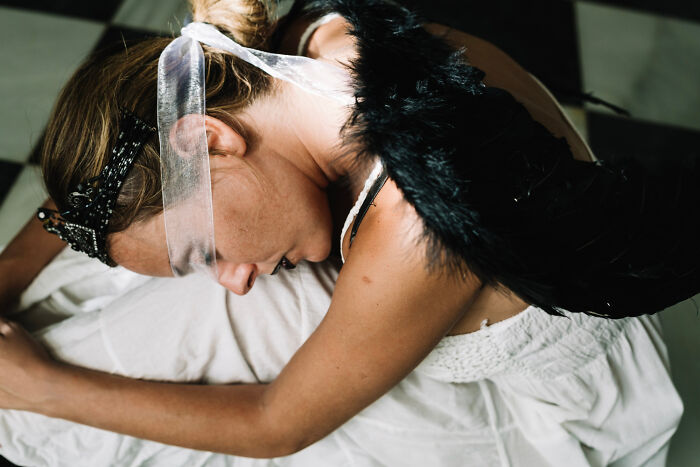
x=100, y=10
x=8, y=173
x=612, y=138
x=539, y=34
x=5, y=463
x=686, y=9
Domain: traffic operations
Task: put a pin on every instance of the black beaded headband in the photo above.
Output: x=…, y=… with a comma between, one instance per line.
x=84, y=225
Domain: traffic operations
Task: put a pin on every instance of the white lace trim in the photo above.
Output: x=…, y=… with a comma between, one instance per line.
x=532, y=344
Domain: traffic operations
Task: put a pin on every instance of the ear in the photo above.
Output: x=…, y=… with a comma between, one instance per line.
x=223, y=140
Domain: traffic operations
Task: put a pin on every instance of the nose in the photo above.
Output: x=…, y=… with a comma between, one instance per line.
x=238, y=278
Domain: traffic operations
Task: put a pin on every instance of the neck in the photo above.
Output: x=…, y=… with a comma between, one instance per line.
x=305, y=130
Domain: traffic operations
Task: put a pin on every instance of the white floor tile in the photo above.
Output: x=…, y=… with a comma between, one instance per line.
x=38, y=54
x=647, y=64
x=25, y=196
x=163, y=16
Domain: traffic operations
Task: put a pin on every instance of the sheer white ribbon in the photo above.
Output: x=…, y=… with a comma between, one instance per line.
x=311, y=75
x=184, y=155
x=186, y=181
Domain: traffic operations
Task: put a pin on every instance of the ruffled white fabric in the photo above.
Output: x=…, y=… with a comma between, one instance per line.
x=582, y=390
x=528, y=344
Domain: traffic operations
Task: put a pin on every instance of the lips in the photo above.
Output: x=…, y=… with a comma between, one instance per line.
x=251, y=280
x=284, y=263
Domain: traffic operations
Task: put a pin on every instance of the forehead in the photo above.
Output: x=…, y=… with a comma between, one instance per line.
x=142, y=247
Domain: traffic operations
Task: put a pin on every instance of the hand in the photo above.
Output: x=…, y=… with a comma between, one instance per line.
x=25, y=368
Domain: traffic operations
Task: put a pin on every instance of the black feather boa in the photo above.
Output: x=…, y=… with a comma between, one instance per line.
x=502, y=197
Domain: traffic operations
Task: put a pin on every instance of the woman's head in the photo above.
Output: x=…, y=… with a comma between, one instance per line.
x=84, y=127
x=264, y=209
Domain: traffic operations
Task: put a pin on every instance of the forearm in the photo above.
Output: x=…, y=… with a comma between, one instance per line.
x=228, y=419
x=24, y=257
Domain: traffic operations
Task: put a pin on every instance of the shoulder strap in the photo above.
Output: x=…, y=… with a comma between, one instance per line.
x=373, y=192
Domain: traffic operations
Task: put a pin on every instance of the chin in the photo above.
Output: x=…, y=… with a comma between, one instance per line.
x=321, y=251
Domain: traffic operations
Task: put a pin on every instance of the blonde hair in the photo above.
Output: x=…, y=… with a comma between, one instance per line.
x=246, y=22
x=83, y=126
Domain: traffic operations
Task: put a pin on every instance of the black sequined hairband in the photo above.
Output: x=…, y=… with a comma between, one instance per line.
x=84, y=225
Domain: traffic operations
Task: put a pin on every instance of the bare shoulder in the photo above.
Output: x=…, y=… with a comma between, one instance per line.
x=392, y=233
x=501, y=69
x=388, y=213
x=328, y=42
x=332, y=42
x=387, y=313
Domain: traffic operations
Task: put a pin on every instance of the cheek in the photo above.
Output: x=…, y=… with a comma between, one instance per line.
x=143, y=251
x=259, y=218
x=236, y=221
x=249, y=223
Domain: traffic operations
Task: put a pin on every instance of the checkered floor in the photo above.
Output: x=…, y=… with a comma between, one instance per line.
x=642, y=55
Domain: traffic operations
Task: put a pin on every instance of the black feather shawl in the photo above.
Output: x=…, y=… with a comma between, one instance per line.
x=500, y=195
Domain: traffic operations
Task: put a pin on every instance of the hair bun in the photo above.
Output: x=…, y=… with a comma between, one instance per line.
x=246, y=21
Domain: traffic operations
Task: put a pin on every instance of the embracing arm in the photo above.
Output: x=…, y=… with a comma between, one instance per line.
x=388, y=312
x=331, y=43
x=25, y=256
x=505, y=73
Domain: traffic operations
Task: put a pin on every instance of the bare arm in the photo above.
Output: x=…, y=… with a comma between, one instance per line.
x=505, y=73
x=25, y=256
x=388, y=311
x=331, y=43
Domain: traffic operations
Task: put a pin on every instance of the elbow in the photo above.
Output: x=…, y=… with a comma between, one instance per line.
x=285, y=440
x=284, y=447
x=281, y=434
x=261, y=443
x=300, y=441
x=270, y=445
x=279, y=429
